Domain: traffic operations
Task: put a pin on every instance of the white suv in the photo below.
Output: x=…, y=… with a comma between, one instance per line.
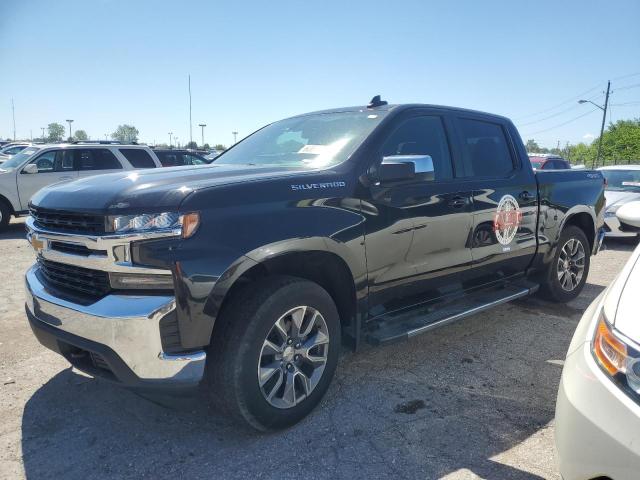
x=38, y=166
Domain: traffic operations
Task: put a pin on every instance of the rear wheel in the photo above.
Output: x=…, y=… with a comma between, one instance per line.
x=570, y=266
x=272, y=359
x=5, y=215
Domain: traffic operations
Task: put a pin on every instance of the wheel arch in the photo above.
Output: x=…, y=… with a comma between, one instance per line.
x=326, y=268
x=585, y=221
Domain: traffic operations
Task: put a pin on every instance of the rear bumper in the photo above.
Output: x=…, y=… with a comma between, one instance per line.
x=117, y=337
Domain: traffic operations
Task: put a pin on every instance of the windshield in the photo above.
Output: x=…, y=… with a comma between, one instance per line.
x=18, y=159
x=622, y=180
x=311, y=141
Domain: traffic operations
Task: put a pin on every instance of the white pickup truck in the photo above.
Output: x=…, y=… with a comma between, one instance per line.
x=38, y=166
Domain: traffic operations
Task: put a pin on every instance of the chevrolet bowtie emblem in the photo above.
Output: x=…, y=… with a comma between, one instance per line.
x=36, y=243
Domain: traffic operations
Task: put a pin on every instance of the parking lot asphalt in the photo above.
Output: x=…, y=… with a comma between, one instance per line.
x=474, y=399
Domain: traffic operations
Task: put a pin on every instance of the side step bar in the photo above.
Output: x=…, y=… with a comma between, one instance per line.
x=423, y=318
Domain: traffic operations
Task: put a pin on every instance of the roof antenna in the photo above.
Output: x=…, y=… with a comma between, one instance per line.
x=376, y=102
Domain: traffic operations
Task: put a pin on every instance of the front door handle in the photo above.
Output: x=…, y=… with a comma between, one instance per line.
x=458, y=202
x=527, y=196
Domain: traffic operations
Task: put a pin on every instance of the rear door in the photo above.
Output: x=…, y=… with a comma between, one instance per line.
x=94, y=161
x=503, y=240
x=54, y=166
x=416, y=233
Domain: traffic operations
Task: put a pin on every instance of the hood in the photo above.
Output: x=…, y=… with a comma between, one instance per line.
x=622, y=303
x=615, y=198
x=158, y=189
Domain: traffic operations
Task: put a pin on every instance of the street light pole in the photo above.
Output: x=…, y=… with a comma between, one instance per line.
x=235, y=136
x=42, y=128
x=170, y=133
x=70, y=122
x=202, y=125
x=604, y=118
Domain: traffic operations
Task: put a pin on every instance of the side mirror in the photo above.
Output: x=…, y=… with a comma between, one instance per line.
x=391, y=170
x=31, y=168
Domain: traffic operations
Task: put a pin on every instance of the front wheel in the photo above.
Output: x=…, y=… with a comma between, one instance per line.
x=569, y=268
x=274, y=356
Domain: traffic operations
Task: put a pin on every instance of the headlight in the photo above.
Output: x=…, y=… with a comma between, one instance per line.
x=186, y=224
x=611, y=211
x=617, y=358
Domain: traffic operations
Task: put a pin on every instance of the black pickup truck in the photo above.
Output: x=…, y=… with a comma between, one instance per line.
x=245, y=278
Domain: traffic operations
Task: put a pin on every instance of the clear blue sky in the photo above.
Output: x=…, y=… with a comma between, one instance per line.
x=107, y=62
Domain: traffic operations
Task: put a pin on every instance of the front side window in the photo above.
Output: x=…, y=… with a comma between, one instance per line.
x=138, y=158
x=422, y=137
x=46, y=162
x=486, y=149
x=310, y=141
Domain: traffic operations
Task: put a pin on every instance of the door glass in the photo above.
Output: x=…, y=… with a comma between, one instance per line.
x=46, y=161
x=486, y=149
x=422, y=136
x=97, y=159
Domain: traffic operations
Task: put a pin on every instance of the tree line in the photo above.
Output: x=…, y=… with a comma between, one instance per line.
x=620, y=145
x=124, y=133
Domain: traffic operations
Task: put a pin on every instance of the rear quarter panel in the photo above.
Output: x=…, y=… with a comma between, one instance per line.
x=563, y=194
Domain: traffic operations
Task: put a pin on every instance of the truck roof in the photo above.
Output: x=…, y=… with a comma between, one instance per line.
x=401, y=107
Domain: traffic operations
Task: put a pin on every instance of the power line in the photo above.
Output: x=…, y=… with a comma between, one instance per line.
x=561, y=124
x=573, y=107
x=636, y=102
x=628, y=87
x=572, y=99
x=626, y=76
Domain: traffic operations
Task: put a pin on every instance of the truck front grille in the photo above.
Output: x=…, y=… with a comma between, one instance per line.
x=75, y=279
x=68, y=221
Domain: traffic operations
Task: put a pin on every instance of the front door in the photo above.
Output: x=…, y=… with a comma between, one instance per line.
x=505, y=205
x=54, y=166
x=417, y=229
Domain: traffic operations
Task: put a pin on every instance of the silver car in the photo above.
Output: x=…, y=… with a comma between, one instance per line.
x=623, y=186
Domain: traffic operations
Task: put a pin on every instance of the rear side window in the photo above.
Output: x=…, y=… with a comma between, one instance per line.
x=486, y=149
x=423, y=135
x=97, y=159
x=138, y=158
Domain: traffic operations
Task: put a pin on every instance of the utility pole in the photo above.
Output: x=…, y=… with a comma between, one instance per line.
x=202, y=125
x=170, y=133
x=70, y=122
x=235, y=136
x=13, y=112
x=42, y=128
x=604, y=118
x=596, y=162
x=190, y=123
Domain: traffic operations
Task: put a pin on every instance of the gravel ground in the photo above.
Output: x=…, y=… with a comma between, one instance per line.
x=471, y=400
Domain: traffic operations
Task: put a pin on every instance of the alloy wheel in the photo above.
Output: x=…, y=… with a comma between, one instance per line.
x=293, y=357
x=571, y=264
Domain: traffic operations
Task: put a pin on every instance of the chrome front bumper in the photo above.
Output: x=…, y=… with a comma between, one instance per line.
x=126, y=324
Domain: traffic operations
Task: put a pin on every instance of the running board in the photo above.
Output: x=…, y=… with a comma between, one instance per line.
x=421, y=319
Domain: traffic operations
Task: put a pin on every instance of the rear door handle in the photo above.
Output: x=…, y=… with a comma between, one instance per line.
x=527, y=196
x=458, y=202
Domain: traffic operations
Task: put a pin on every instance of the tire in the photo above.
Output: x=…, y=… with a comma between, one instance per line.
x=5, y=215
x=564, y=287
x=239, y=352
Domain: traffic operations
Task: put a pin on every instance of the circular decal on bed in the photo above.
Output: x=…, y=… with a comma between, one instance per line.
x=507, y=220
